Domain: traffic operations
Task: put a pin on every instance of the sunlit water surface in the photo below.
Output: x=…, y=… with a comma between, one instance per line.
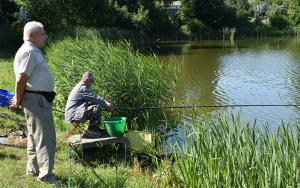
x=253, y=71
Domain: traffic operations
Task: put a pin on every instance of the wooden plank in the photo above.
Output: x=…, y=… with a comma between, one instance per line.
x=97, y=142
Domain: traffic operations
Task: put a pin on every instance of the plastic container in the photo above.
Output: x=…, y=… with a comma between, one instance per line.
x=115, y=126
x=5, y=97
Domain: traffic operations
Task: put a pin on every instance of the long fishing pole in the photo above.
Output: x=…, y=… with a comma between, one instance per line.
x=209, y=106
x=204, y=106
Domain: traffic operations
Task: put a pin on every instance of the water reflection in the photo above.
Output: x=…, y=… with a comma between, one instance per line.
x=251, y=71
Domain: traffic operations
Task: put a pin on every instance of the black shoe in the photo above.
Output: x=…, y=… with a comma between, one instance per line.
x=92, y=134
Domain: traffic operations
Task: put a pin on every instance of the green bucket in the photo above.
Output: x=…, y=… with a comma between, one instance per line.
x=115, y=126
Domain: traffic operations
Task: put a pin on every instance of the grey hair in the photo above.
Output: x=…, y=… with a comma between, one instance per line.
x=31, y=27
x=87, y=75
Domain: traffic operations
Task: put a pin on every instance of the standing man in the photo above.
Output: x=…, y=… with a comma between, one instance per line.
x=34, y=92
x=83, y=104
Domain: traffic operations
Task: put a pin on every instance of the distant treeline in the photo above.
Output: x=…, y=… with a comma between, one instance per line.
x=194, y=19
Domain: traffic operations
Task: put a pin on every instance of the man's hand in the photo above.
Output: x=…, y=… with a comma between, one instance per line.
x=21, y=81
x=14, y=103
x=110, y=107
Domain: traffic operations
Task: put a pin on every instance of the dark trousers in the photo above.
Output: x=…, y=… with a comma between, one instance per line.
x=94, y=114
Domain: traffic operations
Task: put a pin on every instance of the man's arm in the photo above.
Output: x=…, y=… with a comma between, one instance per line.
x=21, y=82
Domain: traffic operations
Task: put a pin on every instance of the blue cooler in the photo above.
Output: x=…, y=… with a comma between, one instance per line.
x=5, y=97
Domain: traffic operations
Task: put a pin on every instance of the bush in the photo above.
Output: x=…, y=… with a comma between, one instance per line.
x=196, y=26
x=279, y=22
x=276, y=11
x=193, y=28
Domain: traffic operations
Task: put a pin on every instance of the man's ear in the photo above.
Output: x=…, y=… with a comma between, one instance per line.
x=31, y=35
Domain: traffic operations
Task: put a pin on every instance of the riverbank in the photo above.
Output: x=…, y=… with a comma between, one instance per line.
x=218, y=152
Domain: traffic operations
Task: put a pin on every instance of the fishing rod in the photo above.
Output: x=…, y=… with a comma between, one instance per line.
x=203, y=106
x=210, y=106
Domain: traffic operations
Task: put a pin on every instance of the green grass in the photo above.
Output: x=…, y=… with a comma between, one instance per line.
x=93, y=172
x=7, y=79
x=223, y=152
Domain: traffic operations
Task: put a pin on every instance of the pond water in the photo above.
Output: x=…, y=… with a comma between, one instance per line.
x=252, y=71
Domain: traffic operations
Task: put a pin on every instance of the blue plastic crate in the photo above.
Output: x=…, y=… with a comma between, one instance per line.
x=5, y=97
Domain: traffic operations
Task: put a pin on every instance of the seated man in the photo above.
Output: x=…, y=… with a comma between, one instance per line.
x=83, y=105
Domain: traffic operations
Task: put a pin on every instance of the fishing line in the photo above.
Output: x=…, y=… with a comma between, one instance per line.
x=166, y=107
x=204, y=106
x=210, y=106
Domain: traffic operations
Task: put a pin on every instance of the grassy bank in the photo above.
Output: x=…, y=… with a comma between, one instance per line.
x=97, y=169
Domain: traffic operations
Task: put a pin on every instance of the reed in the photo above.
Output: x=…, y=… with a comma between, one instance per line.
x=222, y=152
x=122, y=76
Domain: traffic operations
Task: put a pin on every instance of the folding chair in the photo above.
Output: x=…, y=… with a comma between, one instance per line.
x=78, y=127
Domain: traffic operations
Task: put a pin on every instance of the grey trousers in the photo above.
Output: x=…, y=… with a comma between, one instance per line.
x=41, y=136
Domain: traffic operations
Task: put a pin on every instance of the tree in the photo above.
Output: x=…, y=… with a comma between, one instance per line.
x=242, y=7
x=295, y=8
x=279, y=22
x=48, y=12
x=7, y=11
x=212, y=13
x=56, y=14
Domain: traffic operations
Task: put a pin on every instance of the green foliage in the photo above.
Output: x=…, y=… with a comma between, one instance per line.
x=242, y=7
x=295, y=15
x=7, y=10
x=195, y=26
x=276, y=11
x=297, y=30
x=10, y=40
x=279, y=22
x=228, y=33
x=213, y=13
x=141, y=16
x=222, y=152
x=47, y=12
x=141, y=20
x=123, y=77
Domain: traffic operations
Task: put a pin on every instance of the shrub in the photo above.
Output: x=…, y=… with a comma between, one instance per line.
x=279, y=22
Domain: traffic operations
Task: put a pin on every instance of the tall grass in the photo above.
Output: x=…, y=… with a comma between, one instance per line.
x=223, y=152
x=123, y=77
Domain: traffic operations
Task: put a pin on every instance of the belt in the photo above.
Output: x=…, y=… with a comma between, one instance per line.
x=38, y=92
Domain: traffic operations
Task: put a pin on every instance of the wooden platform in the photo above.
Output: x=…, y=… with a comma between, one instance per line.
x=97, y=142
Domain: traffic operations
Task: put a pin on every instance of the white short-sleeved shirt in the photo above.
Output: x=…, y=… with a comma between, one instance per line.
x=29, y=60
